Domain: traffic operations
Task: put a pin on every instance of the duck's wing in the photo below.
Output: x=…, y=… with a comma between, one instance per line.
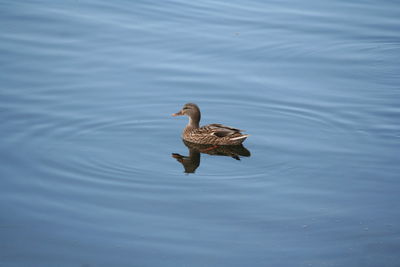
x=222, y=130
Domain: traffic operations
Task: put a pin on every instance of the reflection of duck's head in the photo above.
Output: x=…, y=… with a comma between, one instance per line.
x=192, y=162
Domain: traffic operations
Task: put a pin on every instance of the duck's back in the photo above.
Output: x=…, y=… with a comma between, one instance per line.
x=215, y=134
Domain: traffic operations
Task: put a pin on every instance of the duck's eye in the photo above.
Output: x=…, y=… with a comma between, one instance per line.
x=185, y=108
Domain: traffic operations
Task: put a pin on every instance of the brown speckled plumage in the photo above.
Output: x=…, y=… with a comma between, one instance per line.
x=214, y=134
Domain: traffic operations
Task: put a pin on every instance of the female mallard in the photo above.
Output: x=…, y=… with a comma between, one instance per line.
x=213, y=134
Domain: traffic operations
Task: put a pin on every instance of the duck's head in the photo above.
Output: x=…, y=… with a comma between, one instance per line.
x=191, y=110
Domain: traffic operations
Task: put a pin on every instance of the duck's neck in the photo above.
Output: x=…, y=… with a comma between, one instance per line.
x=194, y=121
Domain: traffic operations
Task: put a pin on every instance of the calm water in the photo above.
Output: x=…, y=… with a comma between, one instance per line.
x=88, y=177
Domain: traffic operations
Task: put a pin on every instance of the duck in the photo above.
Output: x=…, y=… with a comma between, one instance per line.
x=211, y=134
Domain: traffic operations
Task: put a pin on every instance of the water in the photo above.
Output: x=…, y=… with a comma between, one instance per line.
x=88, y=177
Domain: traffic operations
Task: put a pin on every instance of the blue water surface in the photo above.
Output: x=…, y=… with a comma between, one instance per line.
x=87, y=89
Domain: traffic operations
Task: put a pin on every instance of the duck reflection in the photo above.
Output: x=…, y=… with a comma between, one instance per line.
x=192, y=162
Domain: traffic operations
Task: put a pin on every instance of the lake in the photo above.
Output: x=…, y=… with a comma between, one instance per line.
x=93, y=168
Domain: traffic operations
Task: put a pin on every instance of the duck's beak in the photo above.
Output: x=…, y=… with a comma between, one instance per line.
x=179, y=113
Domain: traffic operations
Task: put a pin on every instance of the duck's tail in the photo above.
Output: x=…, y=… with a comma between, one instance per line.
x=240, y=139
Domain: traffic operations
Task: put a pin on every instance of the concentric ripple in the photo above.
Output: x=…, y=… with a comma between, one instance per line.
x=88, y=174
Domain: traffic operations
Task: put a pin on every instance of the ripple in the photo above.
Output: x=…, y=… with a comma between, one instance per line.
x=86, y=133
x=122, y=148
